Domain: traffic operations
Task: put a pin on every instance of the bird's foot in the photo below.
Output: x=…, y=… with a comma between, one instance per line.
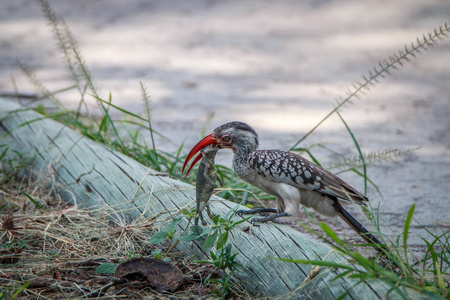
x=269, y=218
x=256, y=211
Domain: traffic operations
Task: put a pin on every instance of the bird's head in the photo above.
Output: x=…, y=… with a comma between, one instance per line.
x=233, y=135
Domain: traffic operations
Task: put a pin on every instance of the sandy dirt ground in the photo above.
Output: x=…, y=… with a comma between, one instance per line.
x=277, y=65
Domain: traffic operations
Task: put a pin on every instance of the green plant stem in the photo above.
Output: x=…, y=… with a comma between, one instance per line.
x=173, y=245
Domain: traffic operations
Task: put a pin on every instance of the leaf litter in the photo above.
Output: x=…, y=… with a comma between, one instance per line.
x=50, y=249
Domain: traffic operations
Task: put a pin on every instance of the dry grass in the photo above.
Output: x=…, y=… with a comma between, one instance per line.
x=52, y=252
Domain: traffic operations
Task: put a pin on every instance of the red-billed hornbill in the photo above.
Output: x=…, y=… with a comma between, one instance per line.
x=292, y=179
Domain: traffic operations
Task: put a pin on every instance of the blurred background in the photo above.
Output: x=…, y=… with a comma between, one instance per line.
x=279, y=66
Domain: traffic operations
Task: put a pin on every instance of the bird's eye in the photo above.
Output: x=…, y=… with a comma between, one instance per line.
x=226, y=139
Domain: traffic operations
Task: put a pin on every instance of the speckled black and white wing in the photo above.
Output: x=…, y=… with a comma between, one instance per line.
x=289, y=168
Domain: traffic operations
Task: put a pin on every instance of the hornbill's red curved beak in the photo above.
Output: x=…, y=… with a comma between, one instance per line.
x=207, y=140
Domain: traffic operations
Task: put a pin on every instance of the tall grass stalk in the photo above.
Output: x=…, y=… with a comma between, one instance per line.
x=385, y=67
x=146, y=99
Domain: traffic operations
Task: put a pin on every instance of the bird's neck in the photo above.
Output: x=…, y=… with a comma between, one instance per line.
x=240, y=161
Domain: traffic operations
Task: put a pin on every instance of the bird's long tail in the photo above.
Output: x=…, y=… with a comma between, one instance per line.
x=358, y=227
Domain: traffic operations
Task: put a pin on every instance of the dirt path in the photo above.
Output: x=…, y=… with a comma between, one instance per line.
x=278, y=66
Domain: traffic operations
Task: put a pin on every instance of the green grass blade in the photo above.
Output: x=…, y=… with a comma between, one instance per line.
x=30, y=198
x=3, y=154
x=108, y=116
x=331, y=233
x=122, y=110
x=321, y=263
x=53, y=93
x=103, y=125
x=406, y=231
x=358, y=148
x=21, y=289
x=435, y=265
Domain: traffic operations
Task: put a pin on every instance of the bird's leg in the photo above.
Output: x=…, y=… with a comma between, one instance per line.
x=264, y=212
x=269, y=218
x=256, y=211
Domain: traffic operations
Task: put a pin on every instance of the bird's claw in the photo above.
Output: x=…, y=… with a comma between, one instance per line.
x=240, y=212
x=255, y=220
x=266, y=213
x=260, y=211
x=265, y=220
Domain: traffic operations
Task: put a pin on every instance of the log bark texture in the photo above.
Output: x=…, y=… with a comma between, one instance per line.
x=91, y=176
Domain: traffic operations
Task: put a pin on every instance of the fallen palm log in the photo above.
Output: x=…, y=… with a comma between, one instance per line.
x=90, y=175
